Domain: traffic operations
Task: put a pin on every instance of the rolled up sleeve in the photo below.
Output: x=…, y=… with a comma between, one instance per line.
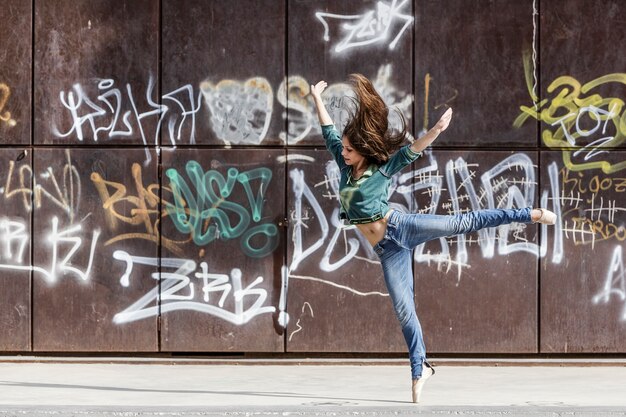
x=399, y=160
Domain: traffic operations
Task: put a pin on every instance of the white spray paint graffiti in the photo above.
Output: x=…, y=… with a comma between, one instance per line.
x=597, y=115
x=241, y=112
x=13, y=238
x=103, y=117
x=60, y=239
x=510, y=183
x=302, y=314
x=615, y=282
x=496, y=182
x=372, y=27
x=64, y=245
x=558, y=200
x=300, y=189
x=178, y=292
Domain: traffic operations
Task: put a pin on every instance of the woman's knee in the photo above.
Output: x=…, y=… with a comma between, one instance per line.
x=405, y=315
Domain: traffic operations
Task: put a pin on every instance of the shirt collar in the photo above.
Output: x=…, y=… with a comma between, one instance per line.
x=368, y=173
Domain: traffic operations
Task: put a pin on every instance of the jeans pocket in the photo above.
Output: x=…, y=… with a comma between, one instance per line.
x=392, y=221
x=379, y=248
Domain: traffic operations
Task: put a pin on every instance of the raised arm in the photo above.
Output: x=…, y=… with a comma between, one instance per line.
x=430, y=136
x=322, y=113
x=331, y=136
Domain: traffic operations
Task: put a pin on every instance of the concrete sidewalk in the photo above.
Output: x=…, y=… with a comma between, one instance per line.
x=136, y=388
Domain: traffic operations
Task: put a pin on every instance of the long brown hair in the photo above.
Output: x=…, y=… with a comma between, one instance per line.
x=368, y=126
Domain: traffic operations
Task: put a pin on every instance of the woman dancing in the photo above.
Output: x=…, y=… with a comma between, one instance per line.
x=368, y=154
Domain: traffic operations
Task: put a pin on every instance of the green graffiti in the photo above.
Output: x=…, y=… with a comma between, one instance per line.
x=205, y=213
x=244, y=178
x=270, y=231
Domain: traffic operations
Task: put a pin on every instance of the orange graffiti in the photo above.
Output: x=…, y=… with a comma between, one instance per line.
x=5, y=93
x=142, y=209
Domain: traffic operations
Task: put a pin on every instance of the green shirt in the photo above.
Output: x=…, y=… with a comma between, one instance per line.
x=365, y=200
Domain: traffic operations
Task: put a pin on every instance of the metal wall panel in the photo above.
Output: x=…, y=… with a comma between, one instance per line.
x=232, y=56
x=96, y=72
x=470, y=56
x=583, y=284
x=15, y=71
x=94, y=216
x=337, y=299
x=15, y=238
x=328, y=40
x=583, y=90
x=477, y=293
x=223, y=218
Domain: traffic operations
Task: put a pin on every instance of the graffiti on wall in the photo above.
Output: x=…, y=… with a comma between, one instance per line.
x=239, y=112
x=510, y=183
x=137, y=207
x=615, y=282
x=581, y=122
x=64, y=237
x=62, y=244
x=59, y=189
x=177, y=292
x=192, y=210
x=5, y=115
x=196, y=201
x=587, y=127
x=200, y=206
x=103, y=117
x=592, y=213
x=369, y=28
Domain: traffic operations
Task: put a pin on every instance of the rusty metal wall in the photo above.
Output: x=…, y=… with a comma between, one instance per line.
x=15, y=175
x=15, y=72
x=164, y=185
x=469, y=56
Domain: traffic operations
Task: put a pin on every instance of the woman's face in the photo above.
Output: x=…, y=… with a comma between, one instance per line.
x=350, y=155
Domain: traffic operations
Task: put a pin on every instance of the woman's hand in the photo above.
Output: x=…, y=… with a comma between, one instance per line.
x=317, y=89
x=423, y=142
x=322, y=113
x=443, y=122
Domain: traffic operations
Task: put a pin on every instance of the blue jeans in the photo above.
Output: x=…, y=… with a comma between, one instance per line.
x=404, y=233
